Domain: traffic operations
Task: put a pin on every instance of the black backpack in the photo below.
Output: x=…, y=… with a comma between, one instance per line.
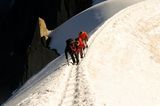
x=69, y=41
x=71, y=44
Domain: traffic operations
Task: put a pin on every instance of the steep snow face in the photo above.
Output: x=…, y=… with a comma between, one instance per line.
x=120, y=68
x=127, y=56
x=88, y=20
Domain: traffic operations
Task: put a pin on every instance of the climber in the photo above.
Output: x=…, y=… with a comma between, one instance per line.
x=84, y=36
x=80, y=46
x=72, y=50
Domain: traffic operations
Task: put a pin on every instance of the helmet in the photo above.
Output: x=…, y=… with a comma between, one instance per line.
x=80, y=32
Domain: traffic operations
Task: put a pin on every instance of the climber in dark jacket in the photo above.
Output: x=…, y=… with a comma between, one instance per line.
x=72, y=50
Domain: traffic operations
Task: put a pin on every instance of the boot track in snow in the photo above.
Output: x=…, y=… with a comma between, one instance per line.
x=77, y=90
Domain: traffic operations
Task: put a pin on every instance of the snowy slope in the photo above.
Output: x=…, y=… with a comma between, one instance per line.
x=127, y=72
x=89, y=20
x=121, y=66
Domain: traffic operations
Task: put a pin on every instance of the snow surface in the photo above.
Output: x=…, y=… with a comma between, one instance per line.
x=89, y=20
x=120, y=68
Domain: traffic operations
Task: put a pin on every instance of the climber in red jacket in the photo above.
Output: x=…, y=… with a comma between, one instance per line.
x=80, y=46
x=84, y=36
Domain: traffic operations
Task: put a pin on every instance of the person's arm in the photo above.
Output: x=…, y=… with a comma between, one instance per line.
x=86, y=36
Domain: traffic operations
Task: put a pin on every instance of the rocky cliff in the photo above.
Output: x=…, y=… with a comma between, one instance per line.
x=38, y=52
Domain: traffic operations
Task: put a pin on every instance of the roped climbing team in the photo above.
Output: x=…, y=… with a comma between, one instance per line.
x=75, y=47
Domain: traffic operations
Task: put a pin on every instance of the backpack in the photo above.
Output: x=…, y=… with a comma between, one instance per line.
x=71, y=44
x=68, y=41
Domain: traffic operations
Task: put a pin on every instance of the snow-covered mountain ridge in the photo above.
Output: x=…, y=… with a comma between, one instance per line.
x=88, y=20
x=121, y=66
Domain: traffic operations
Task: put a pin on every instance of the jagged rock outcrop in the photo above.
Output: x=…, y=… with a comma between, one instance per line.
x=43, y=28
x=38, y=53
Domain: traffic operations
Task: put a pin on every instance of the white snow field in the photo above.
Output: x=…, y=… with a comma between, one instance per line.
x=89, y=20
x=121, y=66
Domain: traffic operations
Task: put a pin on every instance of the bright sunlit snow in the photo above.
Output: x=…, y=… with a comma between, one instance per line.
x=89, y=20
x=120, y=68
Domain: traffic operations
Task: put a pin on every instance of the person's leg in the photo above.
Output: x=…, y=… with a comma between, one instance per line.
x=77, y=58
x=73, y=58
x=86, y=45
x=81, y=52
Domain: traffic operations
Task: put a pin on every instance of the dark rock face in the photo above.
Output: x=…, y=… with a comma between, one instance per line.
x=38, y=53
x=69, y=8
x=18, y=23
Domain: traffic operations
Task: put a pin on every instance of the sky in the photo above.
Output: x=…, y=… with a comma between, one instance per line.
x=120, y=67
